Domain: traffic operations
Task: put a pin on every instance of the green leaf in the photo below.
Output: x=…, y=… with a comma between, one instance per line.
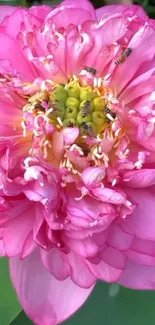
x=13, y=2
x=21, y=319
x=110, y=305
x=9, y=305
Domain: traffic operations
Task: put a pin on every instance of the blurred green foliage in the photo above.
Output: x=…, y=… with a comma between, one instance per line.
x=9, y=305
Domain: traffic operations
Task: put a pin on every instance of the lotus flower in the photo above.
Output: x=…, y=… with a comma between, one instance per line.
x=77, y=152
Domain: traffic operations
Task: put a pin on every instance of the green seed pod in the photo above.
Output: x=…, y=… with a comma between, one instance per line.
x=98, y=117
x=73, y=90
x=81, y=119
x=71, y=112
x=72, y=102
x=86, y=93
x=58, y=109
x=99, y=104
x=69, y=122
x=60, y=93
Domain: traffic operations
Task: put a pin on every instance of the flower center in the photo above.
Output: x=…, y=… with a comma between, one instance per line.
x=75, y=105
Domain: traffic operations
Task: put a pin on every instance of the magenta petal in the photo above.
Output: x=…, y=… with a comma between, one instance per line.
x=54, y=263
x=142, y=222
x=118, y=238
x=45, y=300
x=29, y=245
x=139, y=178
x=40, y=11
x=16, y=233
x=138, y=277
x=144, y=246
x=80, y=272
x=2, y=249
x=104, y=271
x=140, y=258
x=6, y=11
x=93, y=175
x=85, y=247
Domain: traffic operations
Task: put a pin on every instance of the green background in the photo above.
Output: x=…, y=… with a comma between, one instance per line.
x=108, y=304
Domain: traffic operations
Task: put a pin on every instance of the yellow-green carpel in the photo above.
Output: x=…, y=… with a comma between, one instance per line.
x=77, y=105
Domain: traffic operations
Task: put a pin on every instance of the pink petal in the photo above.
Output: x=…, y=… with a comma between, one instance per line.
x=104, y=271
x=14, y=22
x=17, y=60
x=140, y=54
x=109, y=195
x=70, y=135
x=79, y=271
x=142, y=222
x=40, y=11
x=84, y=247
x=29, y=245
x=138, y=277
x=45, y=300
x=71, y=12
x=114, y=258
x=144, y=246
x=54, y=263
x=139, y=178
x=2, y=249
x=130, y=10
x=39, y=227
x=139, y=258
x=16, y=233
x=118, y=238
x=6, y=11
x=102, y=36
x=93, y=175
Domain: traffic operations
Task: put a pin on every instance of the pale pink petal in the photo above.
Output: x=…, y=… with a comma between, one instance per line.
x=70, y=135
x=138, y=277
x=45, y=300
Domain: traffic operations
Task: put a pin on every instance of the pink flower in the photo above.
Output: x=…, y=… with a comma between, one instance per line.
x=77, y=152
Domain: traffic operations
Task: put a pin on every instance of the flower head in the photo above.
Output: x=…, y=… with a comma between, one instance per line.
x=77, y=152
